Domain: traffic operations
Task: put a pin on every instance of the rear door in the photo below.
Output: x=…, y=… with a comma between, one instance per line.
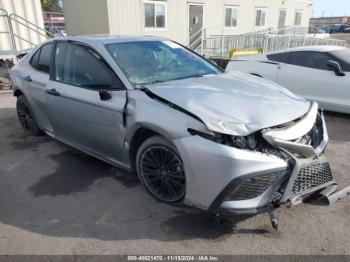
x=78, y=114
x=35, y=78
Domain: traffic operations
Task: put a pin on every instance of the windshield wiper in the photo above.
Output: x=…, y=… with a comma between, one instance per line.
x=157, y=81
x=180, y=78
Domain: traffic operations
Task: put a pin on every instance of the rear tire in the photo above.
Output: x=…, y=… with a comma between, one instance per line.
x=26, y=117
x=160, y=170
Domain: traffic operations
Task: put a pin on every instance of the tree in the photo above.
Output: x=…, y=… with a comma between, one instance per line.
x=51, y=6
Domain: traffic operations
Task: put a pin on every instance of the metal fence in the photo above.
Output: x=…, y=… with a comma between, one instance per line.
x=15, y=26
x=267, y=40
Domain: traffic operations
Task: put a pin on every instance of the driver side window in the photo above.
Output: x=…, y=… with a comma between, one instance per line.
x=315, y=60
x=79, y=66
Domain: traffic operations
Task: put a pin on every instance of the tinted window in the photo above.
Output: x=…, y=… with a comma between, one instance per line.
x=80, y=66
x=343, y=57
x=281, y=57
x=41, y=59
x=35, y=59
x=44, y=59
x=316, y=60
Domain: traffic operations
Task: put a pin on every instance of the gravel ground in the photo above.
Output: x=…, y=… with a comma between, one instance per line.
x=55, y=200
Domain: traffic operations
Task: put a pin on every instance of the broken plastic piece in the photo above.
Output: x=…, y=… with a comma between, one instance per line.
x=273, y=219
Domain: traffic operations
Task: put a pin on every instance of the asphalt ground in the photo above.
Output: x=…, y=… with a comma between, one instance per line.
x=56, y=200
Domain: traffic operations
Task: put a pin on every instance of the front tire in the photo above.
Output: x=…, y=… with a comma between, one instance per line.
x=161, y=171
x=26, y=117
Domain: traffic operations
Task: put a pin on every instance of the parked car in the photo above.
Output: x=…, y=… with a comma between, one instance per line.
x=315, y=30
x=222, y=142
x=326, y=29
x=347, y=30
x=318, y=73
x=335, y=29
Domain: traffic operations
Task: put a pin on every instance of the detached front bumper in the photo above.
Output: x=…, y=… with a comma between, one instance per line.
x=225, y=179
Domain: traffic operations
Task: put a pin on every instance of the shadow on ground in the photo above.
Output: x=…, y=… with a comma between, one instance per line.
x=59, y=191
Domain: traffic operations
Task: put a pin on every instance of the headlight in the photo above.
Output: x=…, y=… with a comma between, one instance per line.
x=250, y=142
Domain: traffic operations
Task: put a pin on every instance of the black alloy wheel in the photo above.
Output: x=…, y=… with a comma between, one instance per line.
x=26, y=117
x=161, y=171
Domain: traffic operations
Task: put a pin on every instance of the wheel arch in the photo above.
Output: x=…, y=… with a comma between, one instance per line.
x=18, y=93
x=140, y=136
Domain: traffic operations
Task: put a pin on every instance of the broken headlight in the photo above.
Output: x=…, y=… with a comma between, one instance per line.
x=250, y=142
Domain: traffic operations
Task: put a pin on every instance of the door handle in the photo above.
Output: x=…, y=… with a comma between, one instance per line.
x=28, y=79
x=52, y=92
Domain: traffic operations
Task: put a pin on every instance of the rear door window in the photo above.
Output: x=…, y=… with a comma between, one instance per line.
x=35, y=59
x=280, y=57
x=41, y=59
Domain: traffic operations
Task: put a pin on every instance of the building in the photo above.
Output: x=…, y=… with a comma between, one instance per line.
x=320, y=22
x=23, y=11
x=54, y=22
x=182, y=20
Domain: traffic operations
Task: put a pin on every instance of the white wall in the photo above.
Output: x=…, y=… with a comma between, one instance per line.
x=86, y=17
x=127, y=16
x=29, y=10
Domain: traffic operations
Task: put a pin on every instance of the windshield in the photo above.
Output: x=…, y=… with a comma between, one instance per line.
x=147, y=62
x=343, y=55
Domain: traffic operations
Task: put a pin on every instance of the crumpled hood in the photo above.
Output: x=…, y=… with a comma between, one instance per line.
x=234, y=103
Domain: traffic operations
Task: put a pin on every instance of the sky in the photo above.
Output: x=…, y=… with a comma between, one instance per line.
x=331, y=8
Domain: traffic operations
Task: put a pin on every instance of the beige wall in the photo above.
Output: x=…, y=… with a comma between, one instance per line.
x=126, y=16
x=86, y=17
x=29, y=10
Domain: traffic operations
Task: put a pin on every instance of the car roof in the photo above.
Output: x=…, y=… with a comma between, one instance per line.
x=320, y=48
x=109, y=39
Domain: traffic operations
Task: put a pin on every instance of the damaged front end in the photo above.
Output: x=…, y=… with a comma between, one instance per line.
x=304, y=142
x=298, y=167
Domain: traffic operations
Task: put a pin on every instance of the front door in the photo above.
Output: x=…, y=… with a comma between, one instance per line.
x=195, y=25
x=307, y=75
x=79, y=116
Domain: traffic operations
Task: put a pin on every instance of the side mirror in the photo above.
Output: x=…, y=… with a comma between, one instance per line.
x=104, y=95
x=335, y=66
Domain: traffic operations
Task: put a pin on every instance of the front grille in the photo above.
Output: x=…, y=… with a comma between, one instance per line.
x=312, y=176
x=253, y=187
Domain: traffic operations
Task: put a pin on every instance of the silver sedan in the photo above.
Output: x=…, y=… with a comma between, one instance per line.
x=221, y=142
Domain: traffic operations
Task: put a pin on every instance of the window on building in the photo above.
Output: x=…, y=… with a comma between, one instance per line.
x=154, y=12
x=297, y=19
x=231, y=13
x=282, y=18
x=260, y=17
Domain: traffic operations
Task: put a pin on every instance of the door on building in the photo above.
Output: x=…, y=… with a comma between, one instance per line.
x=282, y=18
x=195, y=25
